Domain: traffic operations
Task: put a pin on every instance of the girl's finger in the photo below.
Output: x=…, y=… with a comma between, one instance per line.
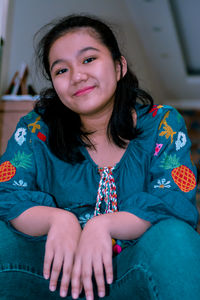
x=66, y=275
x=108, y=266
x=55, y=271
x=99, y=276
x=76, y=284
x=48, y=258
x=86, y=276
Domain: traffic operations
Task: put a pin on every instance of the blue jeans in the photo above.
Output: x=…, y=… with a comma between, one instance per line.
x=164, y=264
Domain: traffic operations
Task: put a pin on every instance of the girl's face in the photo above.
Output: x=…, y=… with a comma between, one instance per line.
x=83, y=73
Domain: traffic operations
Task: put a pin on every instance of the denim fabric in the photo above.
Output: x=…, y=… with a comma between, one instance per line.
x=163, y=264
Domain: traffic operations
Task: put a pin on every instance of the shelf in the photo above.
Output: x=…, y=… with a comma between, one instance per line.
x=10, y=113
x=16, y=106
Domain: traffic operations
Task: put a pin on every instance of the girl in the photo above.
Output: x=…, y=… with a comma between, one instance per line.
x=97, y=187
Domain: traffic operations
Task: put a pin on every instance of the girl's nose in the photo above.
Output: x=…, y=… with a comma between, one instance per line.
x=78, y=76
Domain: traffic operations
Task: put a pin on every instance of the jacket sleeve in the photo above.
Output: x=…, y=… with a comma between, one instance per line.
x=171, y=179
x=18, y=176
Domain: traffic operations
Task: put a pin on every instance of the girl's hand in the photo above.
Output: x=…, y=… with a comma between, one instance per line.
x=94, y=255
x=62, y=240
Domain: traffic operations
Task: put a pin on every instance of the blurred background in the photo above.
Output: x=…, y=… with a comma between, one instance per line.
x=159, y=38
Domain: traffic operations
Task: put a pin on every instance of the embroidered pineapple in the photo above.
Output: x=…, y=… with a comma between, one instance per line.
x=182, y=175
x=8, y=168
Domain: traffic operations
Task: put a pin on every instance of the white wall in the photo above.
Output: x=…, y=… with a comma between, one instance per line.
x=3, y=16
x=27, y=16
x=4, y=5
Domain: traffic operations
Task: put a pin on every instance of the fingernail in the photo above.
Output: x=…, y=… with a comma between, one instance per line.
x=109, y=280
x=89, y=297
x=101, y=294
x=63, y=293
x=52, y=288
x=46, y=276
x=74, y=295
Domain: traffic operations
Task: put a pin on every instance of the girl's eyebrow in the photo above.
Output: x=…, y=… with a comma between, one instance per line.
x=78, y=53
x=86, y=49
x=58, y=61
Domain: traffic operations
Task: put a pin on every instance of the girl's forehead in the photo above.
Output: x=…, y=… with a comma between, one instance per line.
x=86, y=30
x=85, y=33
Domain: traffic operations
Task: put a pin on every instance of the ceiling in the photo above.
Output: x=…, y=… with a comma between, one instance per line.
x=169, y=31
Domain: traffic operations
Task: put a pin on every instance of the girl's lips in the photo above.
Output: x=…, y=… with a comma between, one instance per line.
x=84, y=91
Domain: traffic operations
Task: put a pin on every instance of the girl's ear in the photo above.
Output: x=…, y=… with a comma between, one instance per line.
x=121, y=68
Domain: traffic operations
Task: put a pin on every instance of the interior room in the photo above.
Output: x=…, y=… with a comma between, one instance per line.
x=159, y=38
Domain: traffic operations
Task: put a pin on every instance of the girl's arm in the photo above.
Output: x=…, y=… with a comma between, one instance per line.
x=122, y=225
x=37, y=220
x=63, y=232
x=94, y=252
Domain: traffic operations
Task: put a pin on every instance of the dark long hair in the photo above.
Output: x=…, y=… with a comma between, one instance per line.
x=65, y=134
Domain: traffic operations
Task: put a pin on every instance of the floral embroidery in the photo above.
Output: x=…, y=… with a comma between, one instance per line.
x=181, y=140
x=168, y=131
x=20, y=183
x=157, y=149
x=155, y=109
x=83, y=219
x=20, y=136
x=41, y=136
x=162, y=183
x=106, y=192
x=35, y=125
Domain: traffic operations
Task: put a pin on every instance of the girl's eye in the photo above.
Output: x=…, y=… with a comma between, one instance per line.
x=61, y=71
x=88, y=60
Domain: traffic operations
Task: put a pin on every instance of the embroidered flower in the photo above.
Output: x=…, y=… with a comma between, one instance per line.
x=20, y=183
x=157, y=149
x=155, y=109
x=83, y=219
x=181, y=140
x=162, y=183
x=20, y=136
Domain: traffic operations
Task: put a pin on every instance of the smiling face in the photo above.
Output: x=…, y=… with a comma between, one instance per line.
x=83, y=73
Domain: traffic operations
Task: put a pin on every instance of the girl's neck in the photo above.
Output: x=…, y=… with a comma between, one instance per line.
x=96, y=125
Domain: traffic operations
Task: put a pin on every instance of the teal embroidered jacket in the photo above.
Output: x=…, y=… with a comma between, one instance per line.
x=155, y=179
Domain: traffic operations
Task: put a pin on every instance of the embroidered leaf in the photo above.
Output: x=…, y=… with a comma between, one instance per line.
x=170, y=162
x=22, y=160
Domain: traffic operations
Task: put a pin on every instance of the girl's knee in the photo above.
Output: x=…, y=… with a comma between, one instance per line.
x=173, y=232
x=171, y=242
x=173, y=258
x=174, y=226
